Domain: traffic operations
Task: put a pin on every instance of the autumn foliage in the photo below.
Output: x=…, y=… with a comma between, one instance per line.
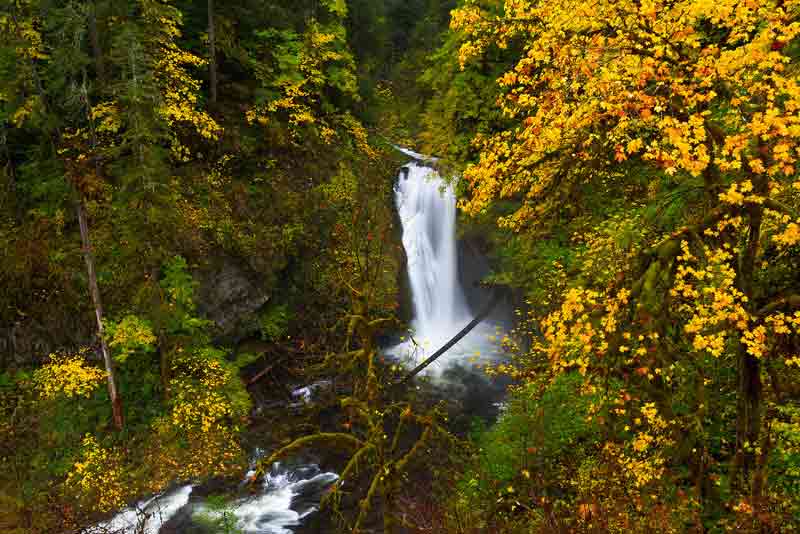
x=653, y=146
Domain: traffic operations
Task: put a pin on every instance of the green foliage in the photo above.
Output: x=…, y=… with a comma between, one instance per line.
x=462, y=104
x=246, y=358
x=106, y=102
x=178, y=283
x=534, y=431
x=179, y=286
x=785, y=463
x=129, y=335
x=537, y=266
x=337, y=7
x=274, y=322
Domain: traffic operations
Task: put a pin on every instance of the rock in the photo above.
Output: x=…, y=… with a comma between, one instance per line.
x=231, y=297
x=184, y=522
x=308, y=394
x=28, y=342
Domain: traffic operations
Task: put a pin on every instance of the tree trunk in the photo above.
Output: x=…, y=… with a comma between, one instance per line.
x=97, y=52
x=116, y=402
x=455, y=339
x=748, y=405
x=212, y=52
x=748, y=416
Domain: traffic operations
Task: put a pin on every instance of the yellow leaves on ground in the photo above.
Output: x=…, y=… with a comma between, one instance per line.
x=69, y=375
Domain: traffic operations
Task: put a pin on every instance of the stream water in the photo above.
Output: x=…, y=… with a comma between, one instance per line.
x=427, y=208
x=287, y=495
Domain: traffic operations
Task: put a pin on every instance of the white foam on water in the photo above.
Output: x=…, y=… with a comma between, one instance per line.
x=268, y=512
x=271, y=512
x=147, y=516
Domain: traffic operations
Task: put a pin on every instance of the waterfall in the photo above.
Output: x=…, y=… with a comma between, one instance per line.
x=426, y=205
x=427, y=209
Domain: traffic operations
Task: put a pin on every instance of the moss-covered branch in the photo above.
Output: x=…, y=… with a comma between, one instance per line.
x=334, y=440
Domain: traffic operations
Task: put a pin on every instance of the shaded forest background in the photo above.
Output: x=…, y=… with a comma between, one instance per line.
x=212, y=185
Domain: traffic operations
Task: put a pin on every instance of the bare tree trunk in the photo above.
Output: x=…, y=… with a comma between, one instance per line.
x=748, y=419
x=455, y=339
x=116, y=402
x=97, y=52
x=212, y=52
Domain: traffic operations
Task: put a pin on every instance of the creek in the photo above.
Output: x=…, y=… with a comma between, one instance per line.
x=442, y=302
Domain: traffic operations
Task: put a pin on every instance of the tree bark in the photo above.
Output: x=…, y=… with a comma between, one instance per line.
x=748, y=417
x=116, y=402
x=212, y=52
x=94, y=38
x=748, y=406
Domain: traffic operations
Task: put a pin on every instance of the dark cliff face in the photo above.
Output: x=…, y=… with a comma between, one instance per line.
x=472, y=268
x=230, y=296
x=29, y=341
x=405, y=306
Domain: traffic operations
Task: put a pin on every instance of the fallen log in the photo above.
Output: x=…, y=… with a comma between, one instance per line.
x=258, y=376
x=496, y=297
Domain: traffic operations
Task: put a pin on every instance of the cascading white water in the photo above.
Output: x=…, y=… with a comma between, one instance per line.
x=286, y=497
x=427, y=209
x=426, y=205
x=147, y=516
